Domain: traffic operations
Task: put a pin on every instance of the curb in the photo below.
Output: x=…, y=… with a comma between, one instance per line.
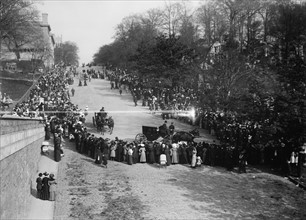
x=297, y=182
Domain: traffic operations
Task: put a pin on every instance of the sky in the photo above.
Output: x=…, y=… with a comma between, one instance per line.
x=90, y=23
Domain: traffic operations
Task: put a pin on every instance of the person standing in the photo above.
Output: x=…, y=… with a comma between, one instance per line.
x=47, y=131
x=142, y=153
x=45, y=187
x=57, y=148
x=171, y=128
x=183, y=159
x=174, y=152
x=119, y=153
x=52, y=187
x=130, y=154
x=72, y=91
x=242, y=161
x=194, y=157
x=167, y=153
x=151, y=153
x=99, y=152
x=113, y=150
x=39, y=185
x=105, y=152
x=135, y=99
x=157, y=150
x=135, y=154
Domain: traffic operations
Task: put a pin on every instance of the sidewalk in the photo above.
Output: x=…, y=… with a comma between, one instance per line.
x=42, y=209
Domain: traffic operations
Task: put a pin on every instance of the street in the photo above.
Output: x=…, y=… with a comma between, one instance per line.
x=86, y=190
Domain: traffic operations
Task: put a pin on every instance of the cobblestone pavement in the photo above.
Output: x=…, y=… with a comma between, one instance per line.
x=143, y=191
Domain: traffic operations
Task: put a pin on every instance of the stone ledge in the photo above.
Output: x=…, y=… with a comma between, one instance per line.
x=14, y=142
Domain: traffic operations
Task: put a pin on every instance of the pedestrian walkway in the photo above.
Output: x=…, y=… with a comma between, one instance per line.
x=42, y=209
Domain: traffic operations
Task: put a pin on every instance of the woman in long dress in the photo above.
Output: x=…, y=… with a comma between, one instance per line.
x=167, y=153
x=52, y=187
x=113, y=151
x=142, y=153
x=151, y=153
x=174, y=152
x=39, y=186
x=135, y=154
x=194, y=157
x=130, y=155
x=99, y=155
x=45, y=187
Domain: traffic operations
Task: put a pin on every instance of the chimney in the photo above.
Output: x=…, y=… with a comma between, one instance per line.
x=45, y=18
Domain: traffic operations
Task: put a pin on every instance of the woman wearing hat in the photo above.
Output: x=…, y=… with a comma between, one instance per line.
x=142, y=153
x=194, y=157
x=52, y=187
x=39, y=185
x=130, y=154
x=45, y=187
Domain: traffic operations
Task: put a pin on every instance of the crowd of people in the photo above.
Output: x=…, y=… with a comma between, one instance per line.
x=252, y=140
x=46, y=186
x=241, y=142
x=5, y=100
x=174, y=102
x=50, y=94
x=131, y=152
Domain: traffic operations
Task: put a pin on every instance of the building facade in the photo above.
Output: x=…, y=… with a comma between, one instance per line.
x=41, y=50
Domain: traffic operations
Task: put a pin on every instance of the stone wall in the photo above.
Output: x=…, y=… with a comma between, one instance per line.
x=20, y=141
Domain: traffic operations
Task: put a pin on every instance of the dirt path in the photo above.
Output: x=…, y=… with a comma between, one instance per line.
x=143, y=191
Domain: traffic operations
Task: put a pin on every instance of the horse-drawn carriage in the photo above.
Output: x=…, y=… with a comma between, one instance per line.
x=102, y=122
x=154, y=133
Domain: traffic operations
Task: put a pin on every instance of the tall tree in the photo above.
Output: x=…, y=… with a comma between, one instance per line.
x=66, y=53
x=167, y=59
x=17, y=22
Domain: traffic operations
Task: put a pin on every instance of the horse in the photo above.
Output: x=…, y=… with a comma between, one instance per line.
x=111, y=125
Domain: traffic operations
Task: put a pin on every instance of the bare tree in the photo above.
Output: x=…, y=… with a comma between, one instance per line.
x=40, y=54
x=172, y=15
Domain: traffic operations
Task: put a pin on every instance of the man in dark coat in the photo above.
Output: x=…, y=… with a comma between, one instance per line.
x=157, y=150
x=136, y=154
x=105, y=152
x=119, y=153
x=47, y=131
x=57, y=148
x=72, y=91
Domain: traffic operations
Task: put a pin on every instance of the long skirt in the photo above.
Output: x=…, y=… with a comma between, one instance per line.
x=52, y=196
x=45, y=193
x=151, y=157
x=57, y=154
x=113, y=153
x=104, y=160
x=47, y=135
x=193, y=160
x=143, y=157
x=130, y=159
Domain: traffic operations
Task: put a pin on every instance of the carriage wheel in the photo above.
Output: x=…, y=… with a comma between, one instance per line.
x=140, y=137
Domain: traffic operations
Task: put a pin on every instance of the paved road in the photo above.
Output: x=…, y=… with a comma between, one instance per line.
x=128, y=118
x=143, y=191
